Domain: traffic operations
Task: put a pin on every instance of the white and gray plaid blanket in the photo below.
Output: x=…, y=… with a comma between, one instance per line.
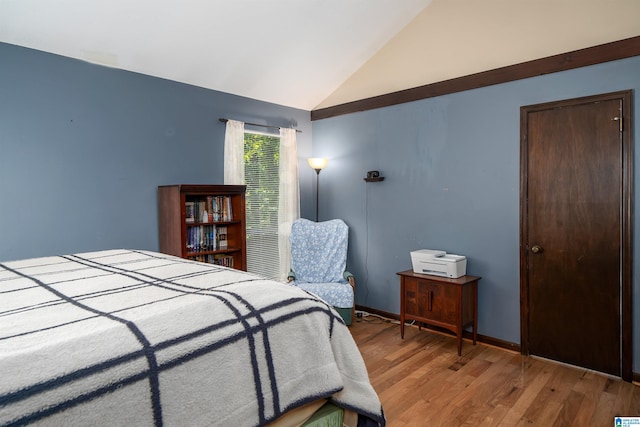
x=139, y=338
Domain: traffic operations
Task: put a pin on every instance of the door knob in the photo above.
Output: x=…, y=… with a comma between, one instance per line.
x=536, y=249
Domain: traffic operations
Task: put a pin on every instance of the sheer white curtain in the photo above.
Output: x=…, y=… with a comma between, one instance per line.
x=289, y=193
x=234, y=153
x=289, y=190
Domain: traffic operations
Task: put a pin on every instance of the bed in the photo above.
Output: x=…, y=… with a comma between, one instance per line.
x=127, y=337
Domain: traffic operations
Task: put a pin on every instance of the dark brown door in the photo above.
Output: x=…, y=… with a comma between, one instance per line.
x=575, y=202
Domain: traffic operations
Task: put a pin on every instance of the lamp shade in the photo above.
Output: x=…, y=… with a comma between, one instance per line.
x=317, y=163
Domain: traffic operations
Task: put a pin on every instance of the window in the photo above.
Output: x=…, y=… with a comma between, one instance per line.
x=261, y=165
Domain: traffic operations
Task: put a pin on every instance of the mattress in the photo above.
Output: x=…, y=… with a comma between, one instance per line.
x=128, y=337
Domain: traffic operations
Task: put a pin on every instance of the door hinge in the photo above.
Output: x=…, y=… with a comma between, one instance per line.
x=619, y=120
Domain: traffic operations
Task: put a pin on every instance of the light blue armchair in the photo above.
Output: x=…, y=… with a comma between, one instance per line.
x=319, y=261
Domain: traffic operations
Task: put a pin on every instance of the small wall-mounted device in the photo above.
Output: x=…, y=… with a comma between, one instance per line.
x=373, y=176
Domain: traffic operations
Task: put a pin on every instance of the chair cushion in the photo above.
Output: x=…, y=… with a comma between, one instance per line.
x=335, y=294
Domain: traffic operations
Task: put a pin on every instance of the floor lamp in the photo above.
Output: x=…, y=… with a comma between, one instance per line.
x=317, y=163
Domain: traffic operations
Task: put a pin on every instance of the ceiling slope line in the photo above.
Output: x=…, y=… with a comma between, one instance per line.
x=620, y=49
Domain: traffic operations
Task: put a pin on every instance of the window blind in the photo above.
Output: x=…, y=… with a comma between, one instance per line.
x=261, y=162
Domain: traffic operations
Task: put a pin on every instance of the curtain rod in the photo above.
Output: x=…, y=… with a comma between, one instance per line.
x=256, y=124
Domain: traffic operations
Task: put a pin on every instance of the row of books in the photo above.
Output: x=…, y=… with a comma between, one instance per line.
x=209, y=209
x=223, y=260
x=202, y=238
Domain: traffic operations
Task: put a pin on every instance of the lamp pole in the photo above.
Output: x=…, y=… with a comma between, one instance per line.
x=317, y=164
x=317, y=190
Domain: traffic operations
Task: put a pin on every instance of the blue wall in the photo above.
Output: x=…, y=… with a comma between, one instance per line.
x=451, y=167
x=84, y=147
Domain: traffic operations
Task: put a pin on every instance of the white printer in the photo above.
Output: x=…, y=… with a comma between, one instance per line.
x=438, y=263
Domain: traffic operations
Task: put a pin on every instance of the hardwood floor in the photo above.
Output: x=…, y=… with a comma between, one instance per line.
x=421, y=381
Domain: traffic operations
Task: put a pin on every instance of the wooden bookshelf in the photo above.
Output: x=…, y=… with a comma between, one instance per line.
x=185, y=231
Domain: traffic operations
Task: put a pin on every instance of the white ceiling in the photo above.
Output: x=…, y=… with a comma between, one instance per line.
x=313, y=53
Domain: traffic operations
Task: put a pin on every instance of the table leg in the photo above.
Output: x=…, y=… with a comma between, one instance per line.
x=475, y=312
x=402, y=307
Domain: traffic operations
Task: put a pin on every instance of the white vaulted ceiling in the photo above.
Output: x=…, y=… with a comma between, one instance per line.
x=313, y=53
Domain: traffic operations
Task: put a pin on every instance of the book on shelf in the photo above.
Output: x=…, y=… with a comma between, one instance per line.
x=209, y=209
x=203, y=213
x=201, y=238
x=220, y=205
x=190, y=216
x=223, y=260
x=228, y=211
x=221, y=238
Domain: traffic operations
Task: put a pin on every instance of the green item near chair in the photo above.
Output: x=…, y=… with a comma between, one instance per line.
x=345, y=313
x=329, y=415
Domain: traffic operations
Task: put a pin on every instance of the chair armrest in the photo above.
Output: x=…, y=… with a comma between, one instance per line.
x=351, y=279
x=291, y=276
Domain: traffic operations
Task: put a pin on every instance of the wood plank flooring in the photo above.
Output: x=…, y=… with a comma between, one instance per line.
x=421, y=381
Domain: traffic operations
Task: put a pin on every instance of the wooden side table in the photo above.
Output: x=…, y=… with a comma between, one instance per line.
x=440, y=301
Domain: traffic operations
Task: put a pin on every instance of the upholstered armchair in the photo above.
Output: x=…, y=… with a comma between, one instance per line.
x=319, y=260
